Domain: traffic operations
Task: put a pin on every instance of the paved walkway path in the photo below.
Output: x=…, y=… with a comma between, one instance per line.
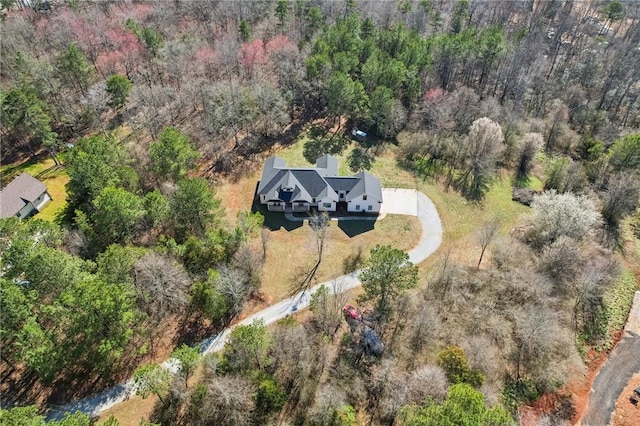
x=396, y=201
x=614, y=375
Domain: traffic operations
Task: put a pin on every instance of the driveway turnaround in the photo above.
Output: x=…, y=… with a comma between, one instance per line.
x=396, y=201
x=623, y=363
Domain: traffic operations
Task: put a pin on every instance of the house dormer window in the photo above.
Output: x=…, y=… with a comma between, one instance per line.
x=364, y=197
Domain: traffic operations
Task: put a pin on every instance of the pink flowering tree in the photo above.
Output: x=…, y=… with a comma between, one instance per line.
x=251, y=55
x=205, y=60
x=122, y=53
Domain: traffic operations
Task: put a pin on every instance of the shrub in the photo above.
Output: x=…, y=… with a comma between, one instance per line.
x=453, y=361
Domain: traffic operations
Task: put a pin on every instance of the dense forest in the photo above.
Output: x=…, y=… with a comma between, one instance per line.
x=148, y=106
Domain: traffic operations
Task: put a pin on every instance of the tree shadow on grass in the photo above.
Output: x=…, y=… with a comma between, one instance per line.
x=49, y=172
x=353, y=228
x=18, y=163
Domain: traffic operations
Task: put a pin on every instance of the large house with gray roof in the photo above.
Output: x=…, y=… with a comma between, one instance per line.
x=23, y=197
x=283, y=188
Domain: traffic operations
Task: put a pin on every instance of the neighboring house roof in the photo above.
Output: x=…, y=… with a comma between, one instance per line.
x=279, y=183
x=22, y=190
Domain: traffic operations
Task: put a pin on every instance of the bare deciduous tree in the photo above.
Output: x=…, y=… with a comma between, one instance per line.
x=228, y=401
x=391, y=388
x=248, y=260
x=387, y=390
x=509, y=253
x=265, y=237
x=233, y=284
x=483, y=355
x=620, y=199
x=328, y=400
x=561, y=261
x=162, y=285
x=435, y=377
x=319, y=222
x=588, y=288
x=556, y=125
x=326, y=305
x=544, y=350
x=424, y=327
x=485, y=236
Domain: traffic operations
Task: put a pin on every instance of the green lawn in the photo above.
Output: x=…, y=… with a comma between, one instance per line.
x=45, y=170
x=461, y=219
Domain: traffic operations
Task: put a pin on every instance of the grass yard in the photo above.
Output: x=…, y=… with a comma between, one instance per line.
x=291, y=245
x=130, y=412
x=461, y=219
x=292, y=253
x=45, y=170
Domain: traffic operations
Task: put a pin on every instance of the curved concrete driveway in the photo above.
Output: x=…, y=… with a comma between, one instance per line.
x=396, y=201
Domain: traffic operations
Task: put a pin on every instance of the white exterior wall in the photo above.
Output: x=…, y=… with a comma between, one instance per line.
x=326, y=200
x=272, y=207
x=323, y=208
x=369, y=205
x=300, y=207
x=42, y=201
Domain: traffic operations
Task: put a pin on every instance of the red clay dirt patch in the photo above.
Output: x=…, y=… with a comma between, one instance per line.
x=627, y=414
x=578, y=387
x=580, y=390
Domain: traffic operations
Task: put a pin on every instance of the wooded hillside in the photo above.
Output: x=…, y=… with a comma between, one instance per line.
x=148, y=106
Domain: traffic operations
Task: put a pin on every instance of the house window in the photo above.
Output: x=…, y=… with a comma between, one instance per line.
x=364, y=197
x=326, y=205
x=370, y=208
x=313, y=200
x=358, y=207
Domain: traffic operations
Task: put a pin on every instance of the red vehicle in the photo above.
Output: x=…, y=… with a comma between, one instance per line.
x=350, y=312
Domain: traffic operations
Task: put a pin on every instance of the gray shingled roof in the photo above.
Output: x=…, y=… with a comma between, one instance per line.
x=314, y=182
x=311, y=181
x=22, y=190
x=342, y=183
x=367, y=184
x=308, y=181
x=329, y=163
x=327, y=191
x=271, y=187
x=272, y=166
